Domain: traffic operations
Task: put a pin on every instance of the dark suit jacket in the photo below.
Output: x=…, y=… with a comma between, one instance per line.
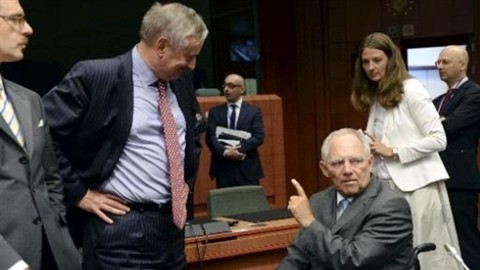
x=250, y=120
x=31, y=190
x=374, y=232
x=90, y=114
x=462, y=126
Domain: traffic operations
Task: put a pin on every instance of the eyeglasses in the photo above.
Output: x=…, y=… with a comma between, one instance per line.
x=15, y=21
x=340, y=163
x=444, y=62
x=230, y=85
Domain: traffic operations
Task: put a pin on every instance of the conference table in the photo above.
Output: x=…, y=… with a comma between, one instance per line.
x=253, y=246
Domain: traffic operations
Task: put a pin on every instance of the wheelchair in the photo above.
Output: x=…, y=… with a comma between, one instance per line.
x=425, y=247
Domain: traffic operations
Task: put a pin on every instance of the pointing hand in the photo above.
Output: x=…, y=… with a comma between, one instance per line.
x=300, y=206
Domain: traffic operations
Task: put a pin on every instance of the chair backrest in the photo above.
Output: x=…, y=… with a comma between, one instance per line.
x=200, y=92
x=236, y=200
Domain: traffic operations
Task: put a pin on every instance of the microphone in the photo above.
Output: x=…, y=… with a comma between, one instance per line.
x=453, y=252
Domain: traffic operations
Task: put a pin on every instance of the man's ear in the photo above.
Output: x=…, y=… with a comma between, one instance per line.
x=161, y=44
x=464, y=66
x=323, y=167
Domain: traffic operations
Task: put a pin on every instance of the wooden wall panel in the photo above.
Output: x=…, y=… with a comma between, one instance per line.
x=362, y=17
x=444, y=17
x=476, y=53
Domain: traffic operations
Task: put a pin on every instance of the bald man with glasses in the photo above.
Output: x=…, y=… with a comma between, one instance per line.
x=33, y=230
x=459, y=110
x=235, y=165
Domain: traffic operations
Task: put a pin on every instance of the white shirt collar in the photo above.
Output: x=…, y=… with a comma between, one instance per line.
x=238, y=103
x=340, y=198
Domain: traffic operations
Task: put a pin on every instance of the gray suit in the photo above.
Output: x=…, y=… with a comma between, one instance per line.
x=374, y=232
x=31, y=190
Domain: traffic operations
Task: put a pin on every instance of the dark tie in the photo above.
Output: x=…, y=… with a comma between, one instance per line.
x=175, y=168
x=233, y=116
x=446, y=101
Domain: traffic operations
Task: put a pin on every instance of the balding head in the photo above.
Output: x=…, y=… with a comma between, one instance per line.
x=452, y=64
x=456, y=52
x=233, y=87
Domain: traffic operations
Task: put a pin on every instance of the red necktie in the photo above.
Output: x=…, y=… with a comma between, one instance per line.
x=446, y=101
x=178, y=185
x=449, y=95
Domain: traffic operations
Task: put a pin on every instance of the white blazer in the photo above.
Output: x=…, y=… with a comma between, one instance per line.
x=414, y=127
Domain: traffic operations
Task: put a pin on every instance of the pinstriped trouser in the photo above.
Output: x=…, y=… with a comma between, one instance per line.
x=142, y=239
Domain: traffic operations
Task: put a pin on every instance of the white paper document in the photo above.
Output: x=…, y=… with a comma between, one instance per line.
x=231, y=134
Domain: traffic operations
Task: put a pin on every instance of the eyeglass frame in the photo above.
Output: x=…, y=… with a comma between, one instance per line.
x=15, y=21
x=230, y=85
x=445, y=62
x=353, y=161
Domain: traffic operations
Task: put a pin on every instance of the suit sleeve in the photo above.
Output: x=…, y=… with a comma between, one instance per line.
x=386, y=232
x=200, y=127
x=257, y=131
x=426, y=120
x=465, y=115
x=212, y=142
x=52, y=175
x=65, y=105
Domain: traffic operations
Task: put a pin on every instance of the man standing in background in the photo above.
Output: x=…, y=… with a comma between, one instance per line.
x=33, y=230
x=459, y=110
x=238, y=164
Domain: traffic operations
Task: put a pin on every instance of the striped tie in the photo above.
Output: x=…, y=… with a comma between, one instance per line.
x=6, y=109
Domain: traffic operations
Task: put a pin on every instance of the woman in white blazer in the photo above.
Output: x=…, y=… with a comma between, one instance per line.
x=406, y=135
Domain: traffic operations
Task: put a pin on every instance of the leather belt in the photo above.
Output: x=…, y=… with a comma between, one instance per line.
x=165, y=208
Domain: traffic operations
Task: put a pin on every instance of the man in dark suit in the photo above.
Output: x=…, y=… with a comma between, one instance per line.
x=358, y=223
x=33, y=230
x=112, y=121
x=459, y=111
x=235, y=164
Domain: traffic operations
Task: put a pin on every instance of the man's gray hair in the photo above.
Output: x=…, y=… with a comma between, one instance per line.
x=345, y=131
x=174, y=21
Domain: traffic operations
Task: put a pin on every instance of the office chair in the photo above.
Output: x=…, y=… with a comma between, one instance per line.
x=205, y=92
x=236, y=200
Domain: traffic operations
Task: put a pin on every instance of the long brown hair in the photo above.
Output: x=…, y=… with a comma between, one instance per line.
x=388, y=91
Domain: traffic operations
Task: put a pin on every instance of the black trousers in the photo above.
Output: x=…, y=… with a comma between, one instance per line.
x=145, y=239
x=48, y=262
x=465, y=214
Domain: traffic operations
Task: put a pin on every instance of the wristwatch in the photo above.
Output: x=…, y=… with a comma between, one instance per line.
x=395, y=153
